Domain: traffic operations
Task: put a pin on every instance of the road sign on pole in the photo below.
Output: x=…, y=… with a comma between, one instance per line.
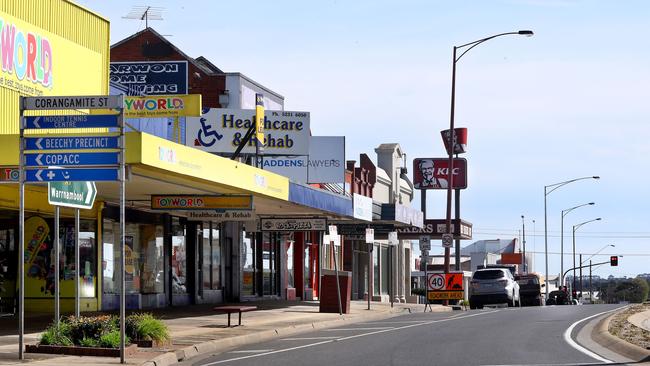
x=447, y=240
x=72, y=194
x=72, y=143
x=74, y=121
x=71, y=175
x=72, y=159
x=72, y=102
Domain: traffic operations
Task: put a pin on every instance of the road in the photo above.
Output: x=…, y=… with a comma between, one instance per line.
x=505, y=336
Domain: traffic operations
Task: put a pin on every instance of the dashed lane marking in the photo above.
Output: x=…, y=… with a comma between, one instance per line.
x=306, y=338
x=370, y=328
x=252, y=351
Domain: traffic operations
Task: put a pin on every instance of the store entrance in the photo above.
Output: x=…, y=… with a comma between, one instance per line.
x=8, y=263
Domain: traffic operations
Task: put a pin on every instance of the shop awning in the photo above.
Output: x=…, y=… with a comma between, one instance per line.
x=327, y=202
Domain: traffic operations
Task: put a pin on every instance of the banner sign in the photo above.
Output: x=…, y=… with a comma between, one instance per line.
x=220, y=130
x=435, y=228
x=227, y=215
x=325, y=163
x=151, y=77
x=197, y=202
x=162, y=106
x=432, y=173
x=259, y=122
x=362, y=207
x=460, y=140
x=294, y=224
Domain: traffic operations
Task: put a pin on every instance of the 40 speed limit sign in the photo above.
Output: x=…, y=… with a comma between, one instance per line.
x=436, y=281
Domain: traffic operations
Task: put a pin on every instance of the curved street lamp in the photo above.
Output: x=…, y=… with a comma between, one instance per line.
x=553, y=187
x=564, y=213
x=576, y=227
x=452, y=133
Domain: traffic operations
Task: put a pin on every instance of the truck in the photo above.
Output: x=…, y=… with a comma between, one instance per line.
x=530, y=289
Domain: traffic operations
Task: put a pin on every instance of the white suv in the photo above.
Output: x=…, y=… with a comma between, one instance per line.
x=493, y=286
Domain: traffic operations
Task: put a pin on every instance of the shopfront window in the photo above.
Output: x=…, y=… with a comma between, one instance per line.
x=384, y=270
x=269, y=268
x=179, y=257
x=216, y=257
x=152, y=266
x=376, y=273
x=248, y=267
x=206, y=255
x=289, y=244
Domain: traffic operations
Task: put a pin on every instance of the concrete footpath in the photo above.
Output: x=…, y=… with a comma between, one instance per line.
x=196, y=330
x=641, y=320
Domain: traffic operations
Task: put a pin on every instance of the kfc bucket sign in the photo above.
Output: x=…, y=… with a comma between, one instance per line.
x=432, y=173
x=460, y=140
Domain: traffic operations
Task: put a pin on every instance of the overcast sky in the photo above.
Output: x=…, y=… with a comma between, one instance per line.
x=571, y=101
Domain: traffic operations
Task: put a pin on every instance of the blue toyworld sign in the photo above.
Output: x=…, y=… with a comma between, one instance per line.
x=151, y=78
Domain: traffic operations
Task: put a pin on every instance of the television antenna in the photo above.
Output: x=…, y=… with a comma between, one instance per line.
x=145, y=13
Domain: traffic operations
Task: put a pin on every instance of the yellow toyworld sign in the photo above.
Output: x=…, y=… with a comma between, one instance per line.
x=36, y=62
x=156, y=106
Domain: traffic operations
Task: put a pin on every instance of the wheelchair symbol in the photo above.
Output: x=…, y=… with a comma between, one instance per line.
x=207, y=131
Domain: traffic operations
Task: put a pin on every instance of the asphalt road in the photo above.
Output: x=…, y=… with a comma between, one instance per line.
x=505, y=336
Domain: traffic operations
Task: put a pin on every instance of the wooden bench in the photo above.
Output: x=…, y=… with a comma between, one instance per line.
x=234, y=309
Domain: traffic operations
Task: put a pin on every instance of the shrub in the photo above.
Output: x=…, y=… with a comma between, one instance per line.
x=145, y=327
x=57, y=335
x=150, y=328
x=89, y=342
x=90, y=327
x=112, y=340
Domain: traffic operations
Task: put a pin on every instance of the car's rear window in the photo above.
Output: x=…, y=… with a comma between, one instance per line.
x=528, y=281
x=488, y=274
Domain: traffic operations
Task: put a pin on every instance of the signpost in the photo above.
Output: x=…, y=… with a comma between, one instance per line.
x=70, y=172
x=445, y=286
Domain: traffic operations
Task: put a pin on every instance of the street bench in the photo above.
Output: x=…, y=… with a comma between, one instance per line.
x=234, y=309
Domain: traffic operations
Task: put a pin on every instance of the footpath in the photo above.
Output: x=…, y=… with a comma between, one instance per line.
x=198, y=330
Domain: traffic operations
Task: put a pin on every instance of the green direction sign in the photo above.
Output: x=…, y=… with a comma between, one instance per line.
x=72, y=194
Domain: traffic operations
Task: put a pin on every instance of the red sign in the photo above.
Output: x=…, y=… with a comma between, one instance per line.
x=511, y=258
x=432, y=173
x=460, y=140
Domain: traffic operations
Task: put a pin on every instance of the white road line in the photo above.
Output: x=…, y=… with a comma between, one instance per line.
x=370, y=328
x=306, y=338
x=572, y=343
x=398, y=322
x=345, y=338
x=252, y=351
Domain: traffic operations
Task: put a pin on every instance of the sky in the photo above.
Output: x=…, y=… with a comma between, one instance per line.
x=571, y=101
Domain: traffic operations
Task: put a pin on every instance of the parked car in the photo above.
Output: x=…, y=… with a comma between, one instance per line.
x=493, y=286
x=530, y=289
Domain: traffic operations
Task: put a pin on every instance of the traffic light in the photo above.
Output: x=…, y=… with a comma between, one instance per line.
x=613, y=261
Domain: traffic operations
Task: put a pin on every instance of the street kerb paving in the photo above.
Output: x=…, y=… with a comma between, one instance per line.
x=197, y=330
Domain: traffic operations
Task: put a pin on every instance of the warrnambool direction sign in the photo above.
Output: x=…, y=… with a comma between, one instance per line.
x=72, y=194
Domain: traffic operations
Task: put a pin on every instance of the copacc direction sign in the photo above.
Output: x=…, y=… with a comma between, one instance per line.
x=72, y=194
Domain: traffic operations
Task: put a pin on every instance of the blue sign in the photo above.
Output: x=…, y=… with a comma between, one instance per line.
x=71, y=143
x=80, y=121
x=71, y=175
x=151, y=78
x=72, y=159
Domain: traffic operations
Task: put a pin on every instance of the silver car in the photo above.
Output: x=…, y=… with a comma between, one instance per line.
x=493, y=286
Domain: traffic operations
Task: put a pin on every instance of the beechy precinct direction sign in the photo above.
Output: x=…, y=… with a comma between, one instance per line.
x=221, y=130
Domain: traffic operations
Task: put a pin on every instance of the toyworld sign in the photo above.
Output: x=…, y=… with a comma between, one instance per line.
x=221, y=130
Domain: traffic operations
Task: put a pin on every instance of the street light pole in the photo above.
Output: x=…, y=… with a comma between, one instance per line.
x=553, y=187
x=523, y=241
x=564, y=213
x=576, y=227
x=452, y=133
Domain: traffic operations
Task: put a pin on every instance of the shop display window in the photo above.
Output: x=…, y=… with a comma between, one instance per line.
x=179, y=257
x=376, y=272
x=248, y=264
x=216, y=257
x=384, y=270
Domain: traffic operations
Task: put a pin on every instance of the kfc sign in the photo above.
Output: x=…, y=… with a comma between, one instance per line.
x=432, y=173
x=460, y=140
